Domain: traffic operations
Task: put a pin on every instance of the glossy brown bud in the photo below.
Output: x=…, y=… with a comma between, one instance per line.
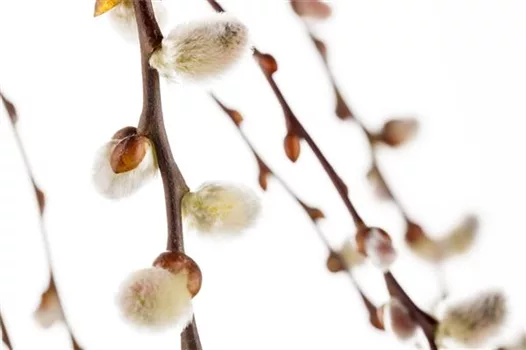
x=177, y=262
x=129, y=153
x=398, y=131
x=237, y=118
x=311, y=8
x=335, y=263
x=264, y=173
x=266, y=62
x=125, y=132
x=292, y=146
x=263, y=182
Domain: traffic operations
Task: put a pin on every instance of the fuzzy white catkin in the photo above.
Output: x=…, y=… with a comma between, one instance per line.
x=123, y=19
x=115, y=186
x=201, y=49
x=49, y=311
x=351, y=256
x=398, y=321
x=379, y=250
x=156, y=299
x=474, y=321
x=217, y=208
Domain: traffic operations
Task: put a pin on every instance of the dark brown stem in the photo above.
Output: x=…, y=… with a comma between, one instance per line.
x=314, y=214
x=425, y=321
x=269, y=66
x=5, y=335
x=294, y=126
x=344, y=112
x=13, y=117
x=151, y=124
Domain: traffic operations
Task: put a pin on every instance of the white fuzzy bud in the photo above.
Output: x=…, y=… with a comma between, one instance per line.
x=474, y=321
x=350, y=255
x=221, y=208
x=49, y=311
x=156, y=298
x=462, y=237
x=398, y=321
x=122, y=166
x=379, y=249
x=201, y=49
x=124, y=22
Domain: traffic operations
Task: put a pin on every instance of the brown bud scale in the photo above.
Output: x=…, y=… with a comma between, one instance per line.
x=266, y=62
x=292, y=147
x=125, y=132
x=335, y=263
x=177, y=262
x=129, y=153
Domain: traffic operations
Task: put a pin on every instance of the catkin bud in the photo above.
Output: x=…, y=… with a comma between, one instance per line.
x=462, y=237
x=421, y=245
x=350, y=255
x=177, y=262
x=201, y=49
x=397, y=320
x=311, y=8
x=335, y=263
x=156, y=298
x=376, y=244
x=124, y=164
x=123, y=19
x=220, y=208
x=473, y=321
x=398, y=131
x=49, y=311
x=292, y=146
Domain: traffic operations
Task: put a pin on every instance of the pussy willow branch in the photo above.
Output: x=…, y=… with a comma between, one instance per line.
x=5, y=336
x=13, y=117
x=268, y=65
x=151, y=125
x=314, y=214
x=344, y=112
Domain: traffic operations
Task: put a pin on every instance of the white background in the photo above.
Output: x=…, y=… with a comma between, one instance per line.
x=458, y=66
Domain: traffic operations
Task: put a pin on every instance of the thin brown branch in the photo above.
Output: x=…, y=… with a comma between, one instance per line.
x=425, y=321
x=151, y=124
x=40, y=197
x=5, y=336
x=344, y=112
x=269, y=66
x=313, y=213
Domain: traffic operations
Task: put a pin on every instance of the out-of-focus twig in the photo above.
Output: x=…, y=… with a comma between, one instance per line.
x=313, y=213
x=5, y=336
x=295, y=133
x=40, y=197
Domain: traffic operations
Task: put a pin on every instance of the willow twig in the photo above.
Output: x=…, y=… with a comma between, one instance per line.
x=313, y=213
x=151, y=125
x=40, y=197
x=344, y=112
x=5, y=336
x=269, y=66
